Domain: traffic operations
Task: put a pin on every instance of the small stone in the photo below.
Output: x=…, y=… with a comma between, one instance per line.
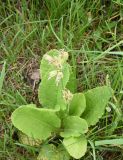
x=35, y=75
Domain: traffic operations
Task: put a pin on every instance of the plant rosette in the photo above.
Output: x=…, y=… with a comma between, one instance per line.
x=64, y=113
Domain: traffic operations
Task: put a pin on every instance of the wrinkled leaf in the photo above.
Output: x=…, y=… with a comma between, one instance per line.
x=50, y=152
x=76, y=146
x=35, y=122
x=96, y=101
x=74, y=126
x=77, y=105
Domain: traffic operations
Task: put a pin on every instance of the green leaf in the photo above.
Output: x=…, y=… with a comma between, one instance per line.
x=35, y=122
x=77, y=105
x=47, y=152
x=62, y=153
x=50, y=90
x=72, y=83
x=96, y=101
x=74, y=126
x=49, y=93
x=76, y=146
x=50, y=152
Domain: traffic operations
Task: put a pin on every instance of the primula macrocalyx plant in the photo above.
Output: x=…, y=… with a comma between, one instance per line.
x=64, y=115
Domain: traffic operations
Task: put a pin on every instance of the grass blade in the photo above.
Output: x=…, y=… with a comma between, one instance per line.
x=110, y=142
x=2, y=76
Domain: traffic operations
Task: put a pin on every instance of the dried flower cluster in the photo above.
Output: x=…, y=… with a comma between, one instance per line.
x=67, y=95
x=57, y=61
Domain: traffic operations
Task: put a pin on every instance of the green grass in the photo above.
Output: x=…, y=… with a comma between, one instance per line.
x=91, y=33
